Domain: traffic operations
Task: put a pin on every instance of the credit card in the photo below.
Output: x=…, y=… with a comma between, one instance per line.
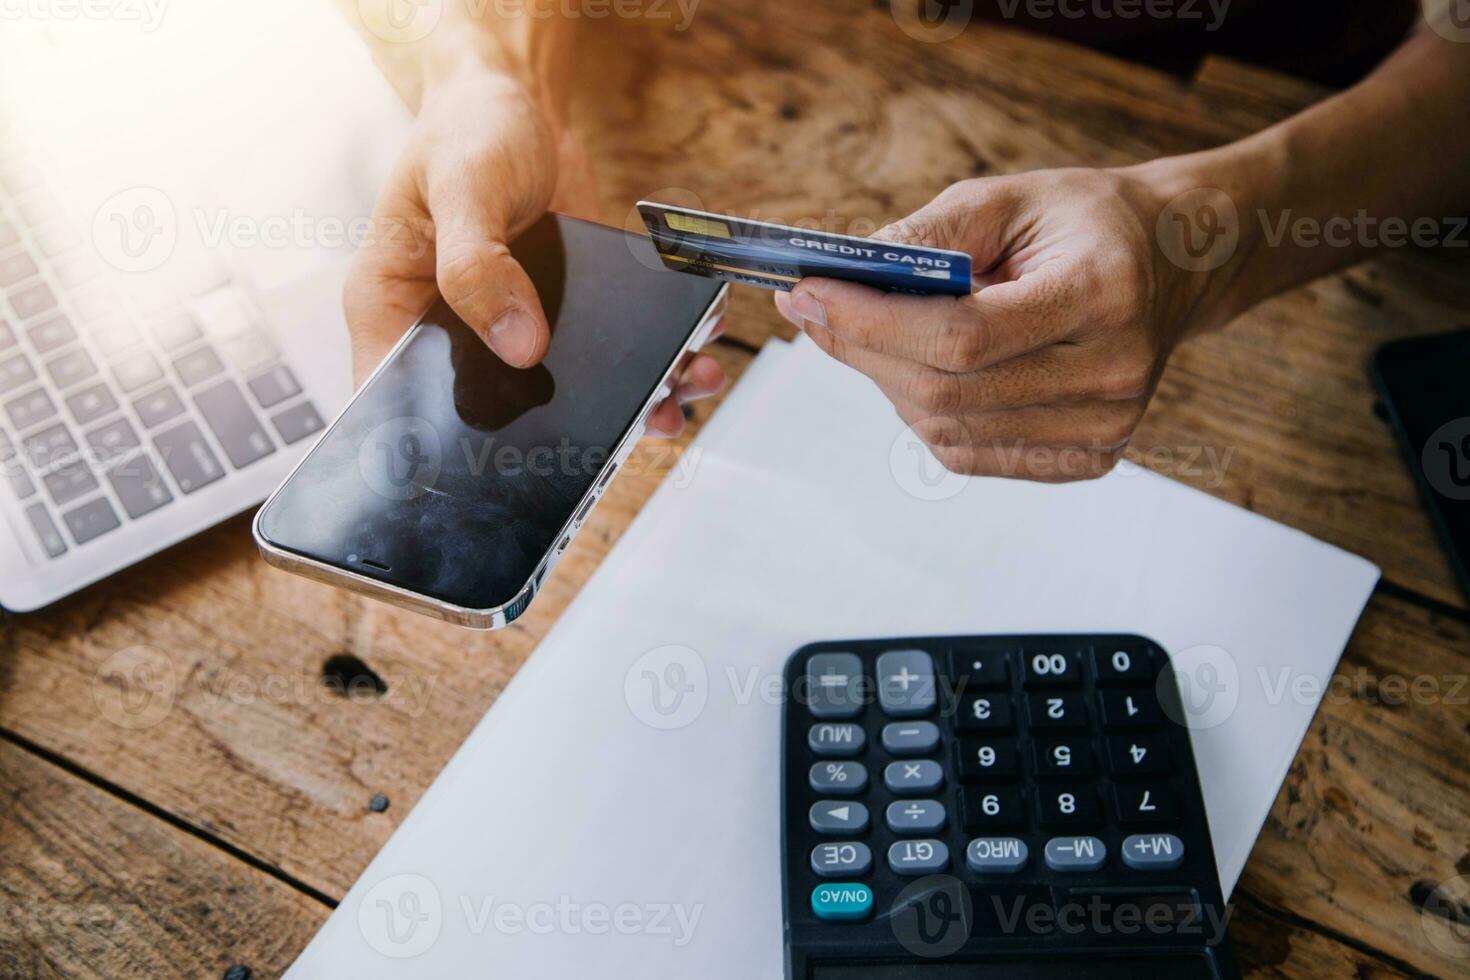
x=778, y=256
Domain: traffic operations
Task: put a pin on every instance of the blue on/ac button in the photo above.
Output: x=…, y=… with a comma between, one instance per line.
x=842, y=902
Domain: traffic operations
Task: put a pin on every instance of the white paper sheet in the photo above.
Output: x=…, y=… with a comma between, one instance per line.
x=596, y=824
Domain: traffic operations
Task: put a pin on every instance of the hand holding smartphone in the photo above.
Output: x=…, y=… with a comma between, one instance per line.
x=452, y=483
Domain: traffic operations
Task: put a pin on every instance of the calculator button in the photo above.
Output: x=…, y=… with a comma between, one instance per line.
x=1137, y=755
x=834, y=685
x=1069, y=807
x=996, y=855
x=918, y=857
x=1153, y=852
x=916, y=816
x=842, y=859
x=838, y=817
x=991, y=809
x=846, y=902
x=910, y=737
x=987, y=759
x=1130, y=709
x=985, y=713
x=906, y=685
x=1075, y=853
x=978, y=670
x=1146, y=803
x=917, y=776
x=1051, y=667
x=1057, y=712
x=1064, y=758
x=1123, y=663
x=838, y=778
x=836, y=738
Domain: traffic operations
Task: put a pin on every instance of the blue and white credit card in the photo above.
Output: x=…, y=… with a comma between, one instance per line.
x=778, y=257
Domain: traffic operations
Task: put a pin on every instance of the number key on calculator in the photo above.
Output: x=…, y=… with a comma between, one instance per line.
x=1019, y=806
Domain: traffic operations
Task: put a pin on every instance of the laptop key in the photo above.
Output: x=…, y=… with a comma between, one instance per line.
x=188, y=457
x=50, y=334
x=8, y=235
x=113, y=335
x=158, y=406
x=30, y=409
x=274, y=386
x=70, y=482
x=234, y=424
x=136, y=371
x=46, y=529
x=16, y=268
x=71, y=367
x=173, y=332
x=90, y=403
x=14, y=468
x=49, y=445
x=91, y=520
x=297, y=422
x=250, y=350
x=198, y=365
x=113, y=438
x=139, y=486
x=32, y=301
x=14, y=372
x=7, y=336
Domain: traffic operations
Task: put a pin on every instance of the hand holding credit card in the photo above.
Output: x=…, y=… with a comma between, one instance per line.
x=771, y=256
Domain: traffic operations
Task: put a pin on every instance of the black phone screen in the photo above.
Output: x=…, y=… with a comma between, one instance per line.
x=451, y=474
x=1425, y=385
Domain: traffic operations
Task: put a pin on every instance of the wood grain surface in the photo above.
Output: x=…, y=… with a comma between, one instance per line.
x=204, y=726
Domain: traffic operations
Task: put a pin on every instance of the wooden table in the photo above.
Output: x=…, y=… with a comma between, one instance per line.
x=217, y=824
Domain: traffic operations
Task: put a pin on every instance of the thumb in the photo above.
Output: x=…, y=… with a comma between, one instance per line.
x=973, y=216
x=483, y=283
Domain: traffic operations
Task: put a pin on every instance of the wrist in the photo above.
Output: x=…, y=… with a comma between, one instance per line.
x=1216, y=197
x=453, y=59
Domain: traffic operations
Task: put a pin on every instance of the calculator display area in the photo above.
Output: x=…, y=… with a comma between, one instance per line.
x=1166, y=967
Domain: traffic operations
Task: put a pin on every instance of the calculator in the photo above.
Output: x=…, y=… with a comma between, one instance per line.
x=994, y=806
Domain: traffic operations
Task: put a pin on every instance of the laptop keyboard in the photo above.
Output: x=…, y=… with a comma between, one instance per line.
x=114, y=405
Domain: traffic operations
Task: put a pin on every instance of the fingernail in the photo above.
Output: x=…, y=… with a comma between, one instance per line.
x=513, y=337
x=809, y=308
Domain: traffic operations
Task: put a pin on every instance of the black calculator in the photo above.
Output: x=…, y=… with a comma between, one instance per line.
x=994, y=806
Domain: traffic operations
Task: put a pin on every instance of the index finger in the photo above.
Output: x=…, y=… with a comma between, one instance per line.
x=956, y=334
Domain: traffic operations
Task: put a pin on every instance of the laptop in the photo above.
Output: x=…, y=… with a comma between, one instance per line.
x=182, y=187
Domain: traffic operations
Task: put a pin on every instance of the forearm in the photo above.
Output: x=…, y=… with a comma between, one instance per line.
x=1383, y=164
x=529, y=42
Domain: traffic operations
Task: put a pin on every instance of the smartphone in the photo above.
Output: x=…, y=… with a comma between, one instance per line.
x=1422, y=383
x=452, y=483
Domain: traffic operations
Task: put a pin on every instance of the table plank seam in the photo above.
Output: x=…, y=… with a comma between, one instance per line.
x=1327, y=932
x=1414, y=597
x=152, y=809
